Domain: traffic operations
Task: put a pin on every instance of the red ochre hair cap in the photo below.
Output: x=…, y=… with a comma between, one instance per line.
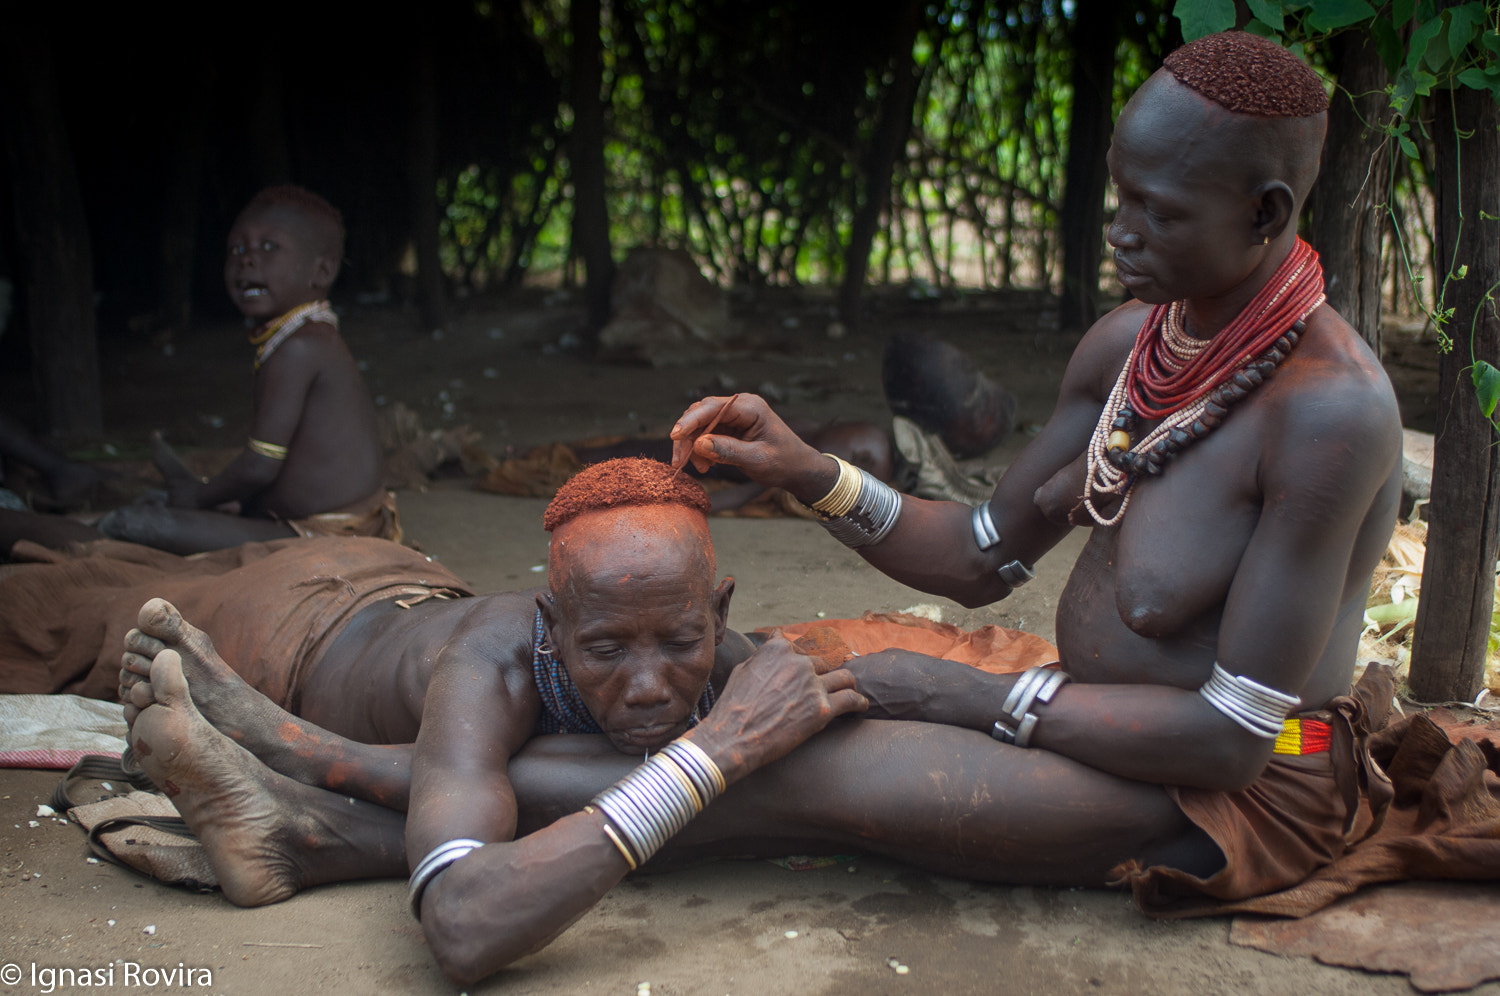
x=1248, y=74
x=621, y=483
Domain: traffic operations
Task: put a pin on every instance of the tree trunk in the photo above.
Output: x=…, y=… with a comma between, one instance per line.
x=179, y=240
x=1096, y=36
x=1347, y=216
x=56, y=261
x=885, y=145
x=1458, y=576
x=432, y=299
x=586, y=164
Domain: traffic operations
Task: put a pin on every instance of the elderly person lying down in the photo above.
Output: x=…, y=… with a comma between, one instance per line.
x=629, y=640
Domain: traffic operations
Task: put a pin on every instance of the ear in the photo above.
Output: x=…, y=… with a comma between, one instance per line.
x=721, y=597
x=1274, y=207
x=547, y=605
x=325, y=272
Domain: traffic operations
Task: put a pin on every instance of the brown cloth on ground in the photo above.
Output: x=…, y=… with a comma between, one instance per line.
x=373, y=516
x=271, y=608
x=1426, y=808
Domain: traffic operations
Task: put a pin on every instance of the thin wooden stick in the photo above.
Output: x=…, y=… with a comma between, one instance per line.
x=688, y=455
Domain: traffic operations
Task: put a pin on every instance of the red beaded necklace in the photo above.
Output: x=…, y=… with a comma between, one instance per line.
x=1161, y=382
x=1189, y=385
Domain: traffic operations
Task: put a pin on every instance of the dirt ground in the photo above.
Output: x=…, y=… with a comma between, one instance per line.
x=729, y=927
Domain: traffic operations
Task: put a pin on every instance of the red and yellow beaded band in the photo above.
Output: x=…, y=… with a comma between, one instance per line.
x=1303, y=736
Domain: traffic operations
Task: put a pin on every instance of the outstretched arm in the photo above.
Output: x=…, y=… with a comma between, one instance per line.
x=932, y=546
x=512, y=896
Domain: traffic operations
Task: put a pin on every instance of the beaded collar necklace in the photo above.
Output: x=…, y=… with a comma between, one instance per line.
x=563, y=710
x=269, y=336
x=1190, y=384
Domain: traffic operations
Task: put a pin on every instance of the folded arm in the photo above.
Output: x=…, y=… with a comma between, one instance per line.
x=512, y=896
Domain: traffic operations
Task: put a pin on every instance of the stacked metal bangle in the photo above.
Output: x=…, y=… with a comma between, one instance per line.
x=698, y=766
x=437, y=859
x=859, y=511
x=1257, y=708
x=1017, y=723
x=655, y=801
x=987, y=537
x=845, y=491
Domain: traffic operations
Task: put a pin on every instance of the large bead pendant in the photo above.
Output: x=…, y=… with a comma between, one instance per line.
x=1119, y=440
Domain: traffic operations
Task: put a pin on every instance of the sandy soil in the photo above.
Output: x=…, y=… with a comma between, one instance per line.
x=731, y=927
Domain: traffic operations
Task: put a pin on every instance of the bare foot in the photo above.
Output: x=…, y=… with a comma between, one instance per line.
x=285, y=743
x=221, y=695
x=232, y=802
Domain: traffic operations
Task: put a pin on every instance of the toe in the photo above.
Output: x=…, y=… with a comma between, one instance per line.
x=133, y=664
x=159, y=618
x=146, y=646
x=140, y=695
x=129, y=678
x=169, y=685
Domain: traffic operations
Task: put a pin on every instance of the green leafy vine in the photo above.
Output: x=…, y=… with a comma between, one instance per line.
x=1425, y=49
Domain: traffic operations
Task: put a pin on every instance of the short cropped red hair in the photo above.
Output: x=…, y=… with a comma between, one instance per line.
x=1248, y=74
x=622, y=483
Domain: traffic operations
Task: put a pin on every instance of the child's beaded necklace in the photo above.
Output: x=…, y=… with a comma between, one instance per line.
x=278, y=330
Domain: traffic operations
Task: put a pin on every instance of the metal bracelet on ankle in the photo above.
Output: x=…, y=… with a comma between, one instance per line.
x=437, y=859
x=1017, y=723
x=1258, y=708
x=871, y=516
x=987, y=537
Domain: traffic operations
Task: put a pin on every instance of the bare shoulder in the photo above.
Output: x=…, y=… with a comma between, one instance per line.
x=1102, y=351
x=1333, y=372
x=736, y=648
x=481, y=671
x=496, y=628
x=1334, y=407
x=317, y=347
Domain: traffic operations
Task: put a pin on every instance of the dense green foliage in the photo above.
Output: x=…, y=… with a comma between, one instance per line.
x=740, y=132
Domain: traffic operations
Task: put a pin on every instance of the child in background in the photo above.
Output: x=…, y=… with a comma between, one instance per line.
x=312, y=463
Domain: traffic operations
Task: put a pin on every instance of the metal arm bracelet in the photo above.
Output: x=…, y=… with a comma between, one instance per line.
x=1017, y=723
x=870, y=517
x=437, y=859
x=656, y=800
x=987, y=536
x=1256, y=707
